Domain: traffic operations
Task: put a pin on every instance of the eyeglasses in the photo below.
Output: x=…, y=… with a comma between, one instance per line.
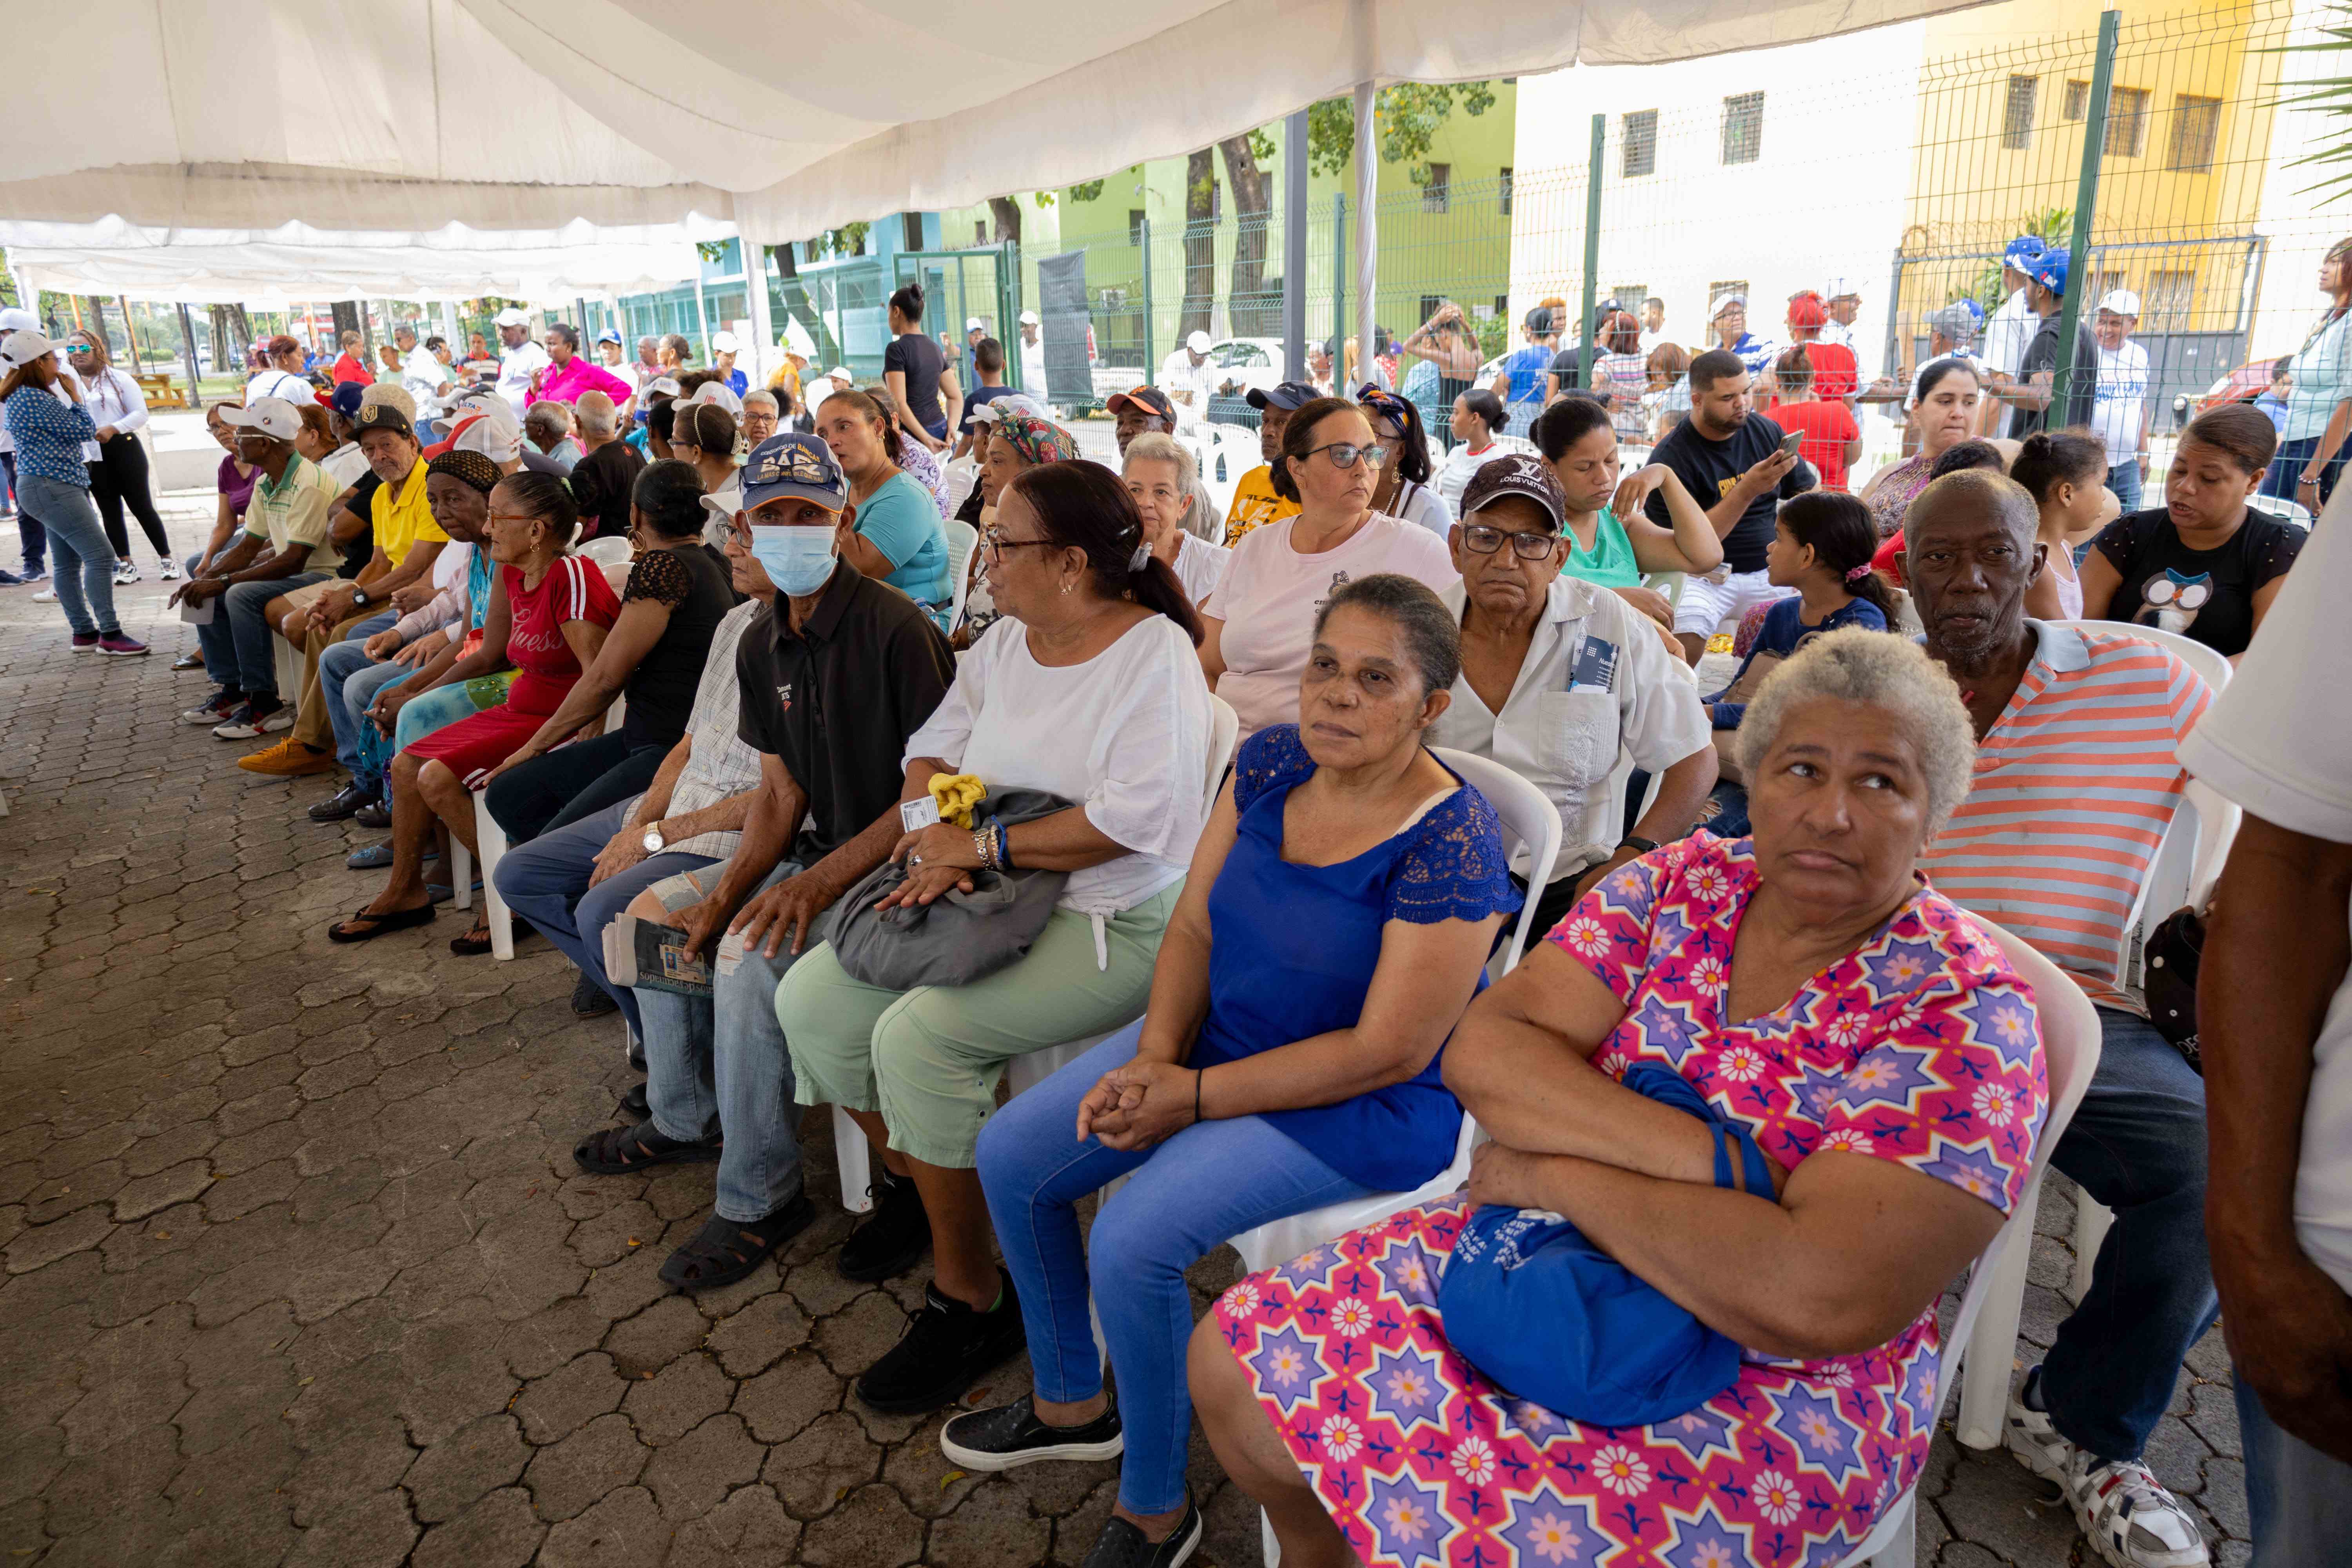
x=1347, y=455
x=994, y=540
x=1486, y=541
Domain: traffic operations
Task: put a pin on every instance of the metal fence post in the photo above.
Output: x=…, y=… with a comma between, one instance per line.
x=1151, y=365
x=1584, y=332
x=1339, y=267
x=1294, y=247
x=2087, y=201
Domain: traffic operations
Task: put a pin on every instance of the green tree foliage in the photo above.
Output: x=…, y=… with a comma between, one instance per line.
x=1407, y=116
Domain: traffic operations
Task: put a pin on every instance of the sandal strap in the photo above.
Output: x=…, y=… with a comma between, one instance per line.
x=621, y=1145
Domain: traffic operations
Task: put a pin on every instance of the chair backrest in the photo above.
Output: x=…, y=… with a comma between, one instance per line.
x=2284, y=510
x=1528, y=817
x=1225, y=734
x=956, y=479
x=962, y=540
x=2070, y=1054
x=605, y=551
x=616, y=573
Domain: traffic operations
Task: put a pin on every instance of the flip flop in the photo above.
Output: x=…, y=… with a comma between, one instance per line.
x=378, y=925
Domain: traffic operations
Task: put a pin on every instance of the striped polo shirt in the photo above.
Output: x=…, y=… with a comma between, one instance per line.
x=2074, y=788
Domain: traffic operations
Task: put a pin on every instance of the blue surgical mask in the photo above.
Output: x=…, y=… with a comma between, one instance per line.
x=798, y=561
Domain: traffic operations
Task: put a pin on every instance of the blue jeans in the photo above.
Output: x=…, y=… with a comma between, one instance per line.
x=351, y=683
x=546, y=882
x=29, y=526
x=84, y=562
x=2123, y=480
x=2299, y=1500
x=2137, y=1145
x=720, y=1065
x=236, y=641
x=1190, y=1194
x=2294, y=456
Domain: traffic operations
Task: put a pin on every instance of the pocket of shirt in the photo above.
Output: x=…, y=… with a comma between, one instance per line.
x=1580, y=743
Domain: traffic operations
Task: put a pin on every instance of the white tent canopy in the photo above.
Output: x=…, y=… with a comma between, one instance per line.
x=410, y=116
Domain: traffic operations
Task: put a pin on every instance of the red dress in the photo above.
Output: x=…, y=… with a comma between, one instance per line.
x=573, y=589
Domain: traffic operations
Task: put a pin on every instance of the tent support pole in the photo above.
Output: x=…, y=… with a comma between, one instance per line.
x=1368, y=191
x=762, y=345
x=702, y=313
x=1294, y=248
x=1584, y=331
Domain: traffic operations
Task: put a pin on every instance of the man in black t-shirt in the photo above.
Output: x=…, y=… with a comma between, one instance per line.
x=602, y=479
x=1730, y=458
x=833, y=678
x=2034, y=390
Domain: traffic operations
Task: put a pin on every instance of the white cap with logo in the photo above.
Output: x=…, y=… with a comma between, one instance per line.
x=2121, y=301
x=273, y=416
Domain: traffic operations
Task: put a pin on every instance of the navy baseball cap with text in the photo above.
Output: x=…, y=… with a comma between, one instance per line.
x=1287, y=396
x=795, y=467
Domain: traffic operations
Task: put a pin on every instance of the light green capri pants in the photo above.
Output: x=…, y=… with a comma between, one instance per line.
x=929, y=1059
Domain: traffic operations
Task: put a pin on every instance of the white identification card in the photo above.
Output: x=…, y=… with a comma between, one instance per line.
x=917, y=814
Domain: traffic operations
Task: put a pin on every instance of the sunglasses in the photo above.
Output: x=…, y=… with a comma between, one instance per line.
x=1485, y=541
x=1347, y=455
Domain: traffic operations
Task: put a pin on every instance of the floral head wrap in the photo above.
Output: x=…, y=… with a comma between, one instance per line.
x=1037, y=440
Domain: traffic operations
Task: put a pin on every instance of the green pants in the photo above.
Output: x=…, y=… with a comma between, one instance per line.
x=929, y=1059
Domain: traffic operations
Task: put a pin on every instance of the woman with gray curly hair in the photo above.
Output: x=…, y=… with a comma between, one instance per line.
x=1873, y=1041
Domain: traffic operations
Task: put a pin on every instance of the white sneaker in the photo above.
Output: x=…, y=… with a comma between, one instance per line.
x=2123, y=1510
x=46, y=596
x=125, y=573
x=170, y=570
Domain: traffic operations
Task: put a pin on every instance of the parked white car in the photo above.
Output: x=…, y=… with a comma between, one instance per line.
x=1244, y=363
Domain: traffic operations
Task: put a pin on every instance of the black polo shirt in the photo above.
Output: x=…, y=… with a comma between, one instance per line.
x=838, y=701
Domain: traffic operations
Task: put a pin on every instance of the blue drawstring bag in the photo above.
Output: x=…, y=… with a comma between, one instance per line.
x=1553, y=1319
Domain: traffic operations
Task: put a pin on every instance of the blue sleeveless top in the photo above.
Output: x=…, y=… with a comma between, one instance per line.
x=1293, y=949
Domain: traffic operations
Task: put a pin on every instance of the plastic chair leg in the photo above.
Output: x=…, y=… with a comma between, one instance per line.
x=461, y=874
x=492, y=841
x=1988, y=1356
x=855, y=1155
x=1272, y=1547
x=1903, y=1551
x=2092, y=1219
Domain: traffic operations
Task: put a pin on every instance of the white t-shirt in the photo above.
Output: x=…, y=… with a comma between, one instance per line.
x=2008, y=332
x=1186, y=385
x=1453, y=475
x=424, y=376
x=1032, y=368
x=2278, y=741
x=280, y=384
x=1267, y=603
x=2119, y=407
x=1423, y=506
x=516, y=367
x=1125, y=734
x=345, y=465
x=1200, y=566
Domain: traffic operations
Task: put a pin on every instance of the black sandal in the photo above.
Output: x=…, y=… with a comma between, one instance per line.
x=617, y=1151
x=379, y=925
x=725, y=1250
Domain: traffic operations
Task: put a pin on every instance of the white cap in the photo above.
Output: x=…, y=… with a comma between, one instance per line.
x=719, y=392
x=16, y=319
x=974, y=324
x=500, y=440
x=1724, y=302
x=724, y=342
x=273, y=416
x=2122, y=301
x=510, y=317
x=1029, y=318
x=23, y=346
x=1198, y=342
x=663, y=385
x=1005, y=407
x=841, y=373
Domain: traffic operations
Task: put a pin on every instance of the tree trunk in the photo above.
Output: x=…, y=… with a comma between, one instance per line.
x=188, y=346
x=1200, y=245
x=216, y=319
x=1007, y=213
x=240, y=328
x=1255, y=312
x=347, y=320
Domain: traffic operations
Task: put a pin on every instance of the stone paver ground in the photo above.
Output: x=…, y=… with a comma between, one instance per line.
x=298, y=1267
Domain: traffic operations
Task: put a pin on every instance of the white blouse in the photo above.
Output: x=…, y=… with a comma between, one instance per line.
x=1124, y=735
x=1200, y=566
x=113, y=398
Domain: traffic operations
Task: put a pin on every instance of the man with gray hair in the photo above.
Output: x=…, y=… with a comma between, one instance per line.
x=2076, y=783
x=548, y=426
x=606, y=471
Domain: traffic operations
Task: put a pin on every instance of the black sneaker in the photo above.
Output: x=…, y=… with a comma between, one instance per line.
x=895, y=1238
x=1011, y=1435
x=589, y=1000
x=375, y=817
x=344, y=803
x=1121, y=1545
x=947, y=1348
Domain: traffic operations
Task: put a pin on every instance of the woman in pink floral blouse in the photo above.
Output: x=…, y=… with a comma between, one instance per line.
x=1811, y=985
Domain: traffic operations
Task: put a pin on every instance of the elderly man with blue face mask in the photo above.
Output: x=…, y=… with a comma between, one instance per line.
x=835, y=675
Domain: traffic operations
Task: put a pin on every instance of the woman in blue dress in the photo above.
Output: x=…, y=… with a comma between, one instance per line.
x=1334, y=925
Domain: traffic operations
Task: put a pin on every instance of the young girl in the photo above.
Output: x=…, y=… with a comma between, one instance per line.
x=2067, y=475
x=1820, y=547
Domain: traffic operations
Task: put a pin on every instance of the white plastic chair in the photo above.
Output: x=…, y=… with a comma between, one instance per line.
x=286, y=664
x=1528, y=818
x=2181, y=871
x=492, y=840
x=958, y=479
x=962, y=540
x=609, y=550
x=1995, y=1287
x=854, y=1154
x=2284, y=510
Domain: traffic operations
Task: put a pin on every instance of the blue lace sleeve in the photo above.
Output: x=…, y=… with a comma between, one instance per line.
x=1456, y=868
x=1271, y=757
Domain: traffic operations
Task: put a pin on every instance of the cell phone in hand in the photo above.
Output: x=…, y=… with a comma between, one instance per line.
x=1789, y=443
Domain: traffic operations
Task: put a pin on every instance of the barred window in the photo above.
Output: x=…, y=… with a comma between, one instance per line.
x=1638, y=132
x=2127, y=122
x=2196, y=128
x=2017, y=114
x=1743, y=128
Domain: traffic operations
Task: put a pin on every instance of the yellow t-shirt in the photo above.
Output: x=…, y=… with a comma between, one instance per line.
x=401, y=525
x=1255, y=505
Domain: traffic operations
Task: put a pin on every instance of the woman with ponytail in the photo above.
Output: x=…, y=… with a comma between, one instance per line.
x=1088, y=690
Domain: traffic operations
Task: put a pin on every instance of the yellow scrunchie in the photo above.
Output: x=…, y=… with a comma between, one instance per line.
x=957, y=793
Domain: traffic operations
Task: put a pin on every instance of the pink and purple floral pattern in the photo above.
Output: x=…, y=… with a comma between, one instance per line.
x=1921, y=1049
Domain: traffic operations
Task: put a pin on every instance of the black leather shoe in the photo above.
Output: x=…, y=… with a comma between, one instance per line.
x=375, y=817
x=589, y=1000
x=344, y=803
x=894, y=1238
x=634, y=1104
x=947, y=1348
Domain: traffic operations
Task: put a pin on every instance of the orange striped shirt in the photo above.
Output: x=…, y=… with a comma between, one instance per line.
x=2075, y=788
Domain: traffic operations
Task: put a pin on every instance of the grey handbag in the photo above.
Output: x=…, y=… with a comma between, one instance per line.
x=959, y=937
